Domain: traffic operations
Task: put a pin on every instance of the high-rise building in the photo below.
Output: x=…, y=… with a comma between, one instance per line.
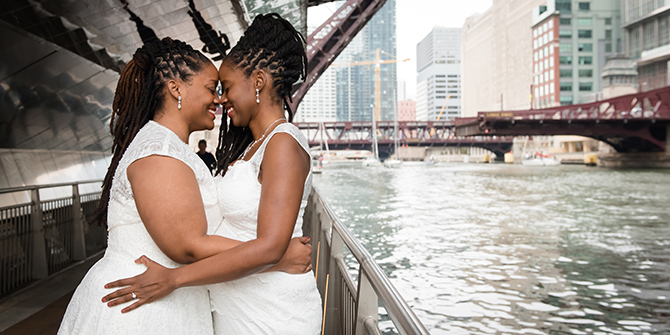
x=439, y=75
x=571, y=41
x=320, y=103
x=406, y=110
x=356, y=84
x=647, y=40
x=497, y=59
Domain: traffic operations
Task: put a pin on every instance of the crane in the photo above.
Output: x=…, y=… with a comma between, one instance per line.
x=377, y=62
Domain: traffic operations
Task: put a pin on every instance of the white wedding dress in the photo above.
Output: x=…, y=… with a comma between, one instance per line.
x=270, y=302
x=186, y=310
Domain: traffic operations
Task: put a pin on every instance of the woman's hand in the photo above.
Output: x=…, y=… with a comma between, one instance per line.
x=297, y=259
x=151, y=285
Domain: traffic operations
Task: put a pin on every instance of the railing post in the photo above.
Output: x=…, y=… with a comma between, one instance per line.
x=367, y=302
x=78, y=226
x=40, y=265
x=334, y=313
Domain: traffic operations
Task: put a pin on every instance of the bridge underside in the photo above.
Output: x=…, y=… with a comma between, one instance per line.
x=623, y=135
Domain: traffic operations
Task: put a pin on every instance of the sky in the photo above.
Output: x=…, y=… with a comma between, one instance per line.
x=414, y=21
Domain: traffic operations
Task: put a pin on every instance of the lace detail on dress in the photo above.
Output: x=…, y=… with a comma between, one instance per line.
x=185, y=311
x=264, y=303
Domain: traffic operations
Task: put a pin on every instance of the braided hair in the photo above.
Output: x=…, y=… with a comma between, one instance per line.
x=273, y=44
x=140, y=95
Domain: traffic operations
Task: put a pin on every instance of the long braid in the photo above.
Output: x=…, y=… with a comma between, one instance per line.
x=273, y=44
x=140, y=95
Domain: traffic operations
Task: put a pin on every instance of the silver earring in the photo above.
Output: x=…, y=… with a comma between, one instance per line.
x=258, y=97
x=179, y=102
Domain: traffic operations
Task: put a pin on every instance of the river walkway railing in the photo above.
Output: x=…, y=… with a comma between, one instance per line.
x=351, y=302
x=40, y=238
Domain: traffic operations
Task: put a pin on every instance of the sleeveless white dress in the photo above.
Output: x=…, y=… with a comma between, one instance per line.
x=184, y=311
x=263, y=303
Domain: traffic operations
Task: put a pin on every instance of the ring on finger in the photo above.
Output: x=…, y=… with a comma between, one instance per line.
x=133, y=295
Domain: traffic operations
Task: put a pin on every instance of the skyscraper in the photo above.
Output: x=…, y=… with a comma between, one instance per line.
x=356, y=84
x=439, y=75
x=646, y=27
x=571, y=40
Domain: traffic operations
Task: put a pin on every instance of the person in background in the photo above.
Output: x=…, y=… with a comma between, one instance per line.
x=206, y=157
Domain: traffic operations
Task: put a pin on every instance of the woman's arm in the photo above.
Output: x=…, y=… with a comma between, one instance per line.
x=170, y=205
x=284, y=169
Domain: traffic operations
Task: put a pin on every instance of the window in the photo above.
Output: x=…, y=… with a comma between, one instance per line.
x=584, y=33
x=566, y=73
x=585, y=60
x=608, y=47
x=566, y=87
x=564, y=6
x=536, y=69
x=584, y=6
x=565, y=34
x=585, y=47
x=565, y=21
x=551, y=88
x=566, y=60
x=566, y=100
x=534, y=33
x=649, y=40
x=453, y=76
x=584, y=21
x=588, y=73
x=608, y=35
x=546, y=76
x=565, y=47
x=541, y=53
x=551, y=62
x=551, y=24
x=663, y=31
x=546, y=63
x=608, y=21
x=585, y=86
x=551, y=49
x=551, y=75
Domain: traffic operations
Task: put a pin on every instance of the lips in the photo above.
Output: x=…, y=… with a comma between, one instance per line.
x=230, y=110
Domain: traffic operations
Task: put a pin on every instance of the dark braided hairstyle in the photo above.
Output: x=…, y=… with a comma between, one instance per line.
x=140, y=94
x=273, y=44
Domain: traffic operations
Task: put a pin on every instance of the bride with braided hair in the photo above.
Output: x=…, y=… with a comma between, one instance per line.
x=263, y=180
x=159, y=199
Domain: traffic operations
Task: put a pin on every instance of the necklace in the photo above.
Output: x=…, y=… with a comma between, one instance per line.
x=251, y=145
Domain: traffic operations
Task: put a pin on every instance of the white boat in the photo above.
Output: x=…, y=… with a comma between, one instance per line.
x=371, y=162
x=392, y=163
x=541, y=161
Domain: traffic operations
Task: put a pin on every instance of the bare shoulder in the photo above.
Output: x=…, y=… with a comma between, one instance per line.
x=157, y=166
x=284, y=147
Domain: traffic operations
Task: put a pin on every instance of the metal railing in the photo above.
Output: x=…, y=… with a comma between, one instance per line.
x=352, y=304
x=40, y=238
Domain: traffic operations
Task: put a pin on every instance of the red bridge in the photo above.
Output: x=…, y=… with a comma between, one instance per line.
x=358, y=136
x=630, y=123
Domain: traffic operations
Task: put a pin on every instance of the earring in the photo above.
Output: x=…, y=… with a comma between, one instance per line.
x=179, y=102
x=258, y=97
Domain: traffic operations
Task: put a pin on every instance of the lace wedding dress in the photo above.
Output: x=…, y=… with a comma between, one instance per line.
x=186, y=310
x=263, y=303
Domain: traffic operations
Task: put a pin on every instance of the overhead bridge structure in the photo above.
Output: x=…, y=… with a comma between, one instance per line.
x=635, y=123
x=358, y=136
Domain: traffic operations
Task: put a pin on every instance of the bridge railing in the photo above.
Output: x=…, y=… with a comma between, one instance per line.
x=651, y=105
x=351, y=302
x=40, y=238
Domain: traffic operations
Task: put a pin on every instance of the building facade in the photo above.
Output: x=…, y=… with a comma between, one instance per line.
x=646, y=30
x=439, y=75
x=320, y=103
x=406, y=110
x=497, y=57
x=571, y=41
x=356, y=83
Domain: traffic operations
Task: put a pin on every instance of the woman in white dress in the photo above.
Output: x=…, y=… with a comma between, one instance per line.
x=264, y=181
x=158, y=197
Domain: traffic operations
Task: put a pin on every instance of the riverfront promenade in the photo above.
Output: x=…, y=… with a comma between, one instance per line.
x=39, y=308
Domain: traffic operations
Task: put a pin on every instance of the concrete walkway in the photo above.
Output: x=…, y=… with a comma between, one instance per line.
x=39, y=308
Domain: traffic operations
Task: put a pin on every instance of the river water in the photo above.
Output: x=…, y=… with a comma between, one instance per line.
x=511, y=249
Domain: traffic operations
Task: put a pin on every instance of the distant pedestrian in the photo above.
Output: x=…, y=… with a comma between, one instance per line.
x=206, y=157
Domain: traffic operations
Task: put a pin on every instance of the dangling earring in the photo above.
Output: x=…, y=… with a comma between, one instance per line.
x=258, y=97
x=179, y=102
